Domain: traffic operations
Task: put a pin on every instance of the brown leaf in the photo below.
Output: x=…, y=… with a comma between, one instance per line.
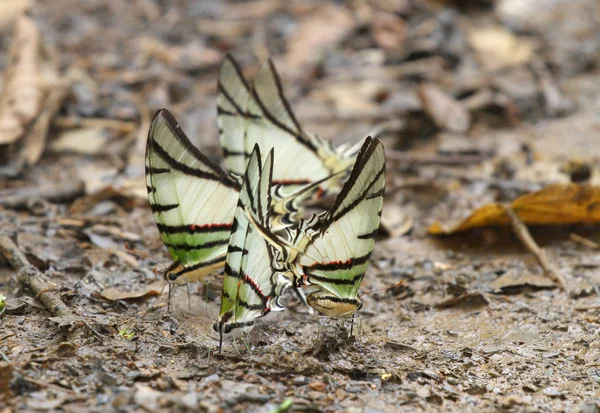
x=512, y=281
x=10, y=10
x=497, y=48
x=445, y=111
x=388, y=30
x=22, y=95
x=556, y=204
x=325, y=27
x=145, y=291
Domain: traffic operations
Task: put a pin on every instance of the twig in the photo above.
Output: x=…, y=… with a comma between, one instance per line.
x=584, y=241
x=31, y=277
x=527, y=240
x=425, y=158
x=19, y=197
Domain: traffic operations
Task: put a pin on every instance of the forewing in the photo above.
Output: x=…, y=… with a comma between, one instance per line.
x=251, y=287
x=192, y=199
x=337, y=256
x=300, y=158
x=232, y=97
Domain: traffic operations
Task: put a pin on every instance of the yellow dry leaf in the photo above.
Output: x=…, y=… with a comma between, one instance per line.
x=556, y=204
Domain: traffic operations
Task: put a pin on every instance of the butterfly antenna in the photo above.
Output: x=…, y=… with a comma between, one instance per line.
x=381, y=289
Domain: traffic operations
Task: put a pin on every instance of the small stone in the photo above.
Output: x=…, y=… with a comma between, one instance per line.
x=318, y=386
x=315, y=395
x=340, y=394
x=431, y=375
x=476, y=389
x=299, y=381
x=552, y=392
x=530, y=388
x=452, y=381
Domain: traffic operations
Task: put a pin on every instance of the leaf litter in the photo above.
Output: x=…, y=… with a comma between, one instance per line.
x=485, y=104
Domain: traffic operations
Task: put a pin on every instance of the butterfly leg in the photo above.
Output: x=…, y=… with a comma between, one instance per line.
x=171, y=289
x=352, y=325
x=189, y=297
x=243, y=338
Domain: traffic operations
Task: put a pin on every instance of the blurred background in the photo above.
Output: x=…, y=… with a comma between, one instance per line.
x=478, y=102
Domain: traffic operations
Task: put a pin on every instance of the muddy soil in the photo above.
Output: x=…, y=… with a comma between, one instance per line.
x=476, y=102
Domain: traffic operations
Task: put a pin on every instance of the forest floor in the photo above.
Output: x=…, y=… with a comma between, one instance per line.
x=476, y=105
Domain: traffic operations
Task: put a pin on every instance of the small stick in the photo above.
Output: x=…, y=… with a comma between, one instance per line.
x=527, y=240
x=31, y=277
x=434, y=159
x=584, y=241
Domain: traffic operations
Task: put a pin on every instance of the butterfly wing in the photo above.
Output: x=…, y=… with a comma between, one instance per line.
x=232, y=97
x=251, y=286
x=337, y=254
x=300, y=157
x=183, y=186
x=262, y=115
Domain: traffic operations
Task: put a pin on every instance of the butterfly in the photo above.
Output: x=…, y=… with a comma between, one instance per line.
x=331, y=250
x=251, y=285
x=193, y=201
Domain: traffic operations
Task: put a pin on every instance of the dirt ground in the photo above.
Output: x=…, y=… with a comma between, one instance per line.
x=477, y=102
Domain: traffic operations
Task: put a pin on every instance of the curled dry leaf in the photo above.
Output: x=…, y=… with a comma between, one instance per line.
x=445, y=111
x=33, y=92
x=22, y=95
x=556, y=204
x=10, y=10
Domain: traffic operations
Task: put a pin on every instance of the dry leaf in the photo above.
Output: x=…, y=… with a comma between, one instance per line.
x=445, y=111
x=22, y=95
x=556, y=204
x=497, y=48
x=10, y=10
x=114, y=293
x=388, y=30
x=33, y=93
x=35, y=139
x=326, y=26
x=89, y=141
x=395, y=221
x=511, y=281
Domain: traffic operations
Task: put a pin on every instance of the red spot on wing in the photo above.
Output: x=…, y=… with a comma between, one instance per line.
x=320, y=193
x=200, y=228
x=254, y=286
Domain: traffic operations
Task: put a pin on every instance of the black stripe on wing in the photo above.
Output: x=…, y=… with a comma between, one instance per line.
x=337, y=265
x=190, y=247
x=174, y=275
x=177, y=132
x=366, y=151
x=163, y=208
x=193, y=229
x=298, y=134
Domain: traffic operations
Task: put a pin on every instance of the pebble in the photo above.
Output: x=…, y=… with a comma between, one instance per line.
x=299, y=381
x=318, y=386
